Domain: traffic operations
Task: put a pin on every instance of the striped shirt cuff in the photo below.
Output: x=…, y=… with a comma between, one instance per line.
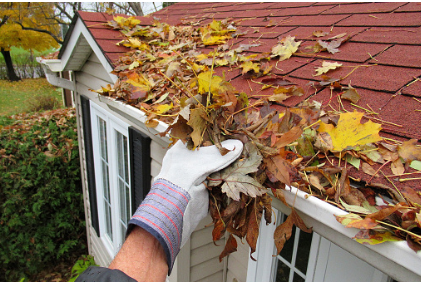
x=161, y=214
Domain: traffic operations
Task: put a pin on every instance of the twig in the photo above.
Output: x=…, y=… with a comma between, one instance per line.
x=368, y=111
x=398, y=228
x=407, y=179
x=383, y=121
x=399, y=92
x=309, y=126
x=393, y=185
x=404, y=174
x=369, y=181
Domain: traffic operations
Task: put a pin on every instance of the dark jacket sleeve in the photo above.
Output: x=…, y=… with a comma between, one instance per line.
x=102, y=274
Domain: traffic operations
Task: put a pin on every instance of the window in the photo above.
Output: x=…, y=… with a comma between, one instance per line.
x=296, y=261
x=306, y=257
x=113, y=189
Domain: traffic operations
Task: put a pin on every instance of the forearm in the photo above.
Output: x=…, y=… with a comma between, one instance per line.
x=141, y=257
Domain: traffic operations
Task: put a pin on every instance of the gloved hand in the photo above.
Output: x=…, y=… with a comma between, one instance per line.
x=178, y=199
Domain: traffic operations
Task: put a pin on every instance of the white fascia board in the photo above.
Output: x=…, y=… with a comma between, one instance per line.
x=78, y=31
x=319, y=211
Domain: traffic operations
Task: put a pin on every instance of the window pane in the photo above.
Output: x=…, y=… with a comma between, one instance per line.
x=126, y=160
x=122, y=197
x=297, y=278
x=287, y=250
x=128, y=205
x=103, y=139
x=109, y=230
x=304, y=247
x=283, y=272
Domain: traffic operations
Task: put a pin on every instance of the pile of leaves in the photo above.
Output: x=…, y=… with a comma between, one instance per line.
x=168, y=75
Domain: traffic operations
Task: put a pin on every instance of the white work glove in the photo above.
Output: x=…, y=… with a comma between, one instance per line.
x=178, y=199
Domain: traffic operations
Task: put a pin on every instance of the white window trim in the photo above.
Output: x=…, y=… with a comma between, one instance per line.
x=113, y=124
x=262, y=269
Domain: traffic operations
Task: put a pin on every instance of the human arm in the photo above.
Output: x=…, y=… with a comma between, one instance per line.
x=176, y=203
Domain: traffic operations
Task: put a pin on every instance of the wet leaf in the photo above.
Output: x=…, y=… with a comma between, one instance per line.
x=283, y=233
x=231, y=246
x=286, y=48
x=409, y=151
x=319, y=33
x=237, y=183
x=350, y=132
x=198, y=124
x=351, y=95
x=248, y=66
x=367, y=169
x=372, y=237
x=280, y=169
x=326, y=66
x=415, y=165
x=397, y=167
x=253, y=228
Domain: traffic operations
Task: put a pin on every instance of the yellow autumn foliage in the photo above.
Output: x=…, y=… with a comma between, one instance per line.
x=349, y=132
x=32, y=15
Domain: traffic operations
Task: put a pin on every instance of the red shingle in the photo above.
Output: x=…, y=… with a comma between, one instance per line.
x=305, y=33
x=350, y=51
x=363, y=8
x=408, y=35
x=283, y=4
x=303, y=11
x=414, y=89
x=263, y=32
x=383, y=20
x=376, y=77
x=393, y=56
x=406, y=117
x=92, y=17
x=320, y=20
x=410, y=7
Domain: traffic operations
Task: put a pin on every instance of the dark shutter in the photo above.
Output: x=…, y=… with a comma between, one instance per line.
x=140, y=164
x=89, y=158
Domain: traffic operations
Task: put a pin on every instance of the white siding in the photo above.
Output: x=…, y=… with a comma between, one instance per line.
x=238, y=262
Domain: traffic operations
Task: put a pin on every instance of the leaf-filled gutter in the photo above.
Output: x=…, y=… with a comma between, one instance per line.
x=311, y=146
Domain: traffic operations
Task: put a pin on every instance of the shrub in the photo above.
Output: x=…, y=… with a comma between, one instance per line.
x=43, y=102
x=41, y=203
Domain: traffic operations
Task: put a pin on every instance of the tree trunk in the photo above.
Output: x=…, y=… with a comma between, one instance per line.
x=9, y=66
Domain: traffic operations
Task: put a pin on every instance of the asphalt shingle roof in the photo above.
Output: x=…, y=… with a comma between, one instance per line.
x=386, y=36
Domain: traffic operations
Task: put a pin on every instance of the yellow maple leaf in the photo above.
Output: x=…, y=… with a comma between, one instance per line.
x=326, y=66
x=160, y=109
x=286, y=48
x=249, y=65
x=208, y=83
x=349, y=132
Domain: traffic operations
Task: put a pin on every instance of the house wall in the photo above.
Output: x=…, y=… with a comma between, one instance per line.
x=199, y=258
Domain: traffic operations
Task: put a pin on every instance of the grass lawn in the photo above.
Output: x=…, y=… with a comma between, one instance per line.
x=16, y=97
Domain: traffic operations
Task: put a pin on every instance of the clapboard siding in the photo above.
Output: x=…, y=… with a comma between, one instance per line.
x=101, y=256
x=216, y=277
x=237, y=264
x=205, y=269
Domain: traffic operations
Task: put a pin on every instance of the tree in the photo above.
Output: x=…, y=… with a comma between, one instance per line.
x=29, y=26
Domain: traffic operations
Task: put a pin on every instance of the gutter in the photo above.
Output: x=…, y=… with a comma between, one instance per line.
x=51, y=68
x=395, y=259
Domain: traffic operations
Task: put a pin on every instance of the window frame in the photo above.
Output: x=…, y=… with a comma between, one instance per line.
x=113, y=125
x=262, y=270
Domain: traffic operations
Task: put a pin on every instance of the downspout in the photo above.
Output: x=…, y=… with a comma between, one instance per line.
x=53, y=76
